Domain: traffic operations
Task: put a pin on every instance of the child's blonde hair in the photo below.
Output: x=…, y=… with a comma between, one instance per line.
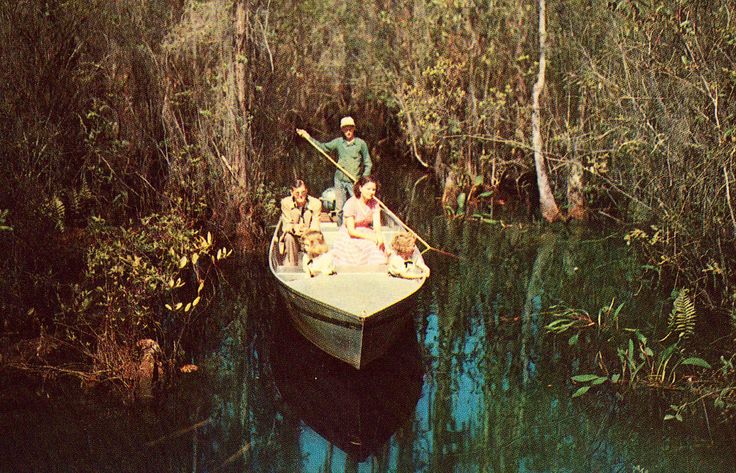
x=403, y=244
x=314, y=241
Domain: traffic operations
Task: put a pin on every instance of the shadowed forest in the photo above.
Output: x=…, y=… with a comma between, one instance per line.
x=139, y=142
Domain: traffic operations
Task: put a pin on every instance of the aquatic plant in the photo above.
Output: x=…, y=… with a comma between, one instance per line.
x=627, y=356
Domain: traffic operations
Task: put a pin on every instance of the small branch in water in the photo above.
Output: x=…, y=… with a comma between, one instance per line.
x=241, y=451
x=179, y=432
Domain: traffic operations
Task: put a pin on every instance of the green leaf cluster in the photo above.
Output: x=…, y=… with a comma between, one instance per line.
x=145, y=280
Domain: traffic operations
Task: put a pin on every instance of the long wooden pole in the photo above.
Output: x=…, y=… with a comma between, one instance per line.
x=380, y=203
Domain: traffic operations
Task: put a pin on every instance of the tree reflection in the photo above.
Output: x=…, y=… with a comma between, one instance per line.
x=479, y=388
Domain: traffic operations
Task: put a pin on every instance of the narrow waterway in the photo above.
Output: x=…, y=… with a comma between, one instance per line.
x=475, y=386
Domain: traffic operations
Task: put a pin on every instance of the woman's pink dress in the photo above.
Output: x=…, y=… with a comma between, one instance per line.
x=358, y=251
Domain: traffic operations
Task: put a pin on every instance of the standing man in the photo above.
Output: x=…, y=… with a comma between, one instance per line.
x=299, y=213
x=353, y=156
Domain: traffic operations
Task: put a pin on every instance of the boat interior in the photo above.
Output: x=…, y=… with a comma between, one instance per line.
x=370, y=288
x=329, y=229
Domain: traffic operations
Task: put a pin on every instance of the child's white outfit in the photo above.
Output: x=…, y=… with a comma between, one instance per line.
x=402, y=268
x=322, y=264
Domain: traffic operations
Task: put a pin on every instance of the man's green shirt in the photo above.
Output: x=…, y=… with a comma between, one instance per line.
x=353, y=157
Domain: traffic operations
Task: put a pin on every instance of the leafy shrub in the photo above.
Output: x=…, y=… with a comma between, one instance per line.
x=144, y=281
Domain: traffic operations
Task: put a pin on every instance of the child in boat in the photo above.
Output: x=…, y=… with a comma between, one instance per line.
x=404, y=261
x=317, y=260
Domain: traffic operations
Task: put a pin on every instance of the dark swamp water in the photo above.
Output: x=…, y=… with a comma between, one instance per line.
x=476, y=386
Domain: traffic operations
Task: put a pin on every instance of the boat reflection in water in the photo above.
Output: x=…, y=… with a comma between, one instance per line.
x=355, y=410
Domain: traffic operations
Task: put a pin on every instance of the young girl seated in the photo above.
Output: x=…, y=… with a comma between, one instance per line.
x=317, y=260
x=404, y=262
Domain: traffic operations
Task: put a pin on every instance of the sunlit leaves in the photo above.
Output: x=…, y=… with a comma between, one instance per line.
x=55, y=211
x=175, y=307
x=143, y=272
x=222, y=253
x=676, y=413
x=3, y=219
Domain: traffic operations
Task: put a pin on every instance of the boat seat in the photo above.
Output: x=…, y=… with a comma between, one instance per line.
x=331, y=233
x=373, y=268
x=327, y=227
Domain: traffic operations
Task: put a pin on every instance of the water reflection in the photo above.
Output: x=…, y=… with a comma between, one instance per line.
x=356, y=411
x=479, y=387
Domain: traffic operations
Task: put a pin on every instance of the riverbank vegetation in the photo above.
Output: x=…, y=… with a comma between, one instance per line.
x=123, y=122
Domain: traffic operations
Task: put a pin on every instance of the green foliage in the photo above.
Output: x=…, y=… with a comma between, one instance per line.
x=269, y=201
x=676, y=413
x=639, y=360
x=132, y=274
x=682, y=318
x=3, y=221
x=131, y=271
x=55, y=211
x=590, y=380
x=461, y=199
x=566, y=319
x=696, y=361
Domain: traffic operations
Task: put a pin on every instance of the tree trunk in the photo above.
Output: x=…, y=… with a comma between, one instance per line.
x=242, y=81
x=352, y=52
x=575, y=198
x=547, y=203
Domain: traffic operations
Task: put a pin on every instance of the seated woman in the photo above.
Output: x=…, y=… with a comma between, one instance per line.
x=360, y=241
x=317, y=261
x=404, y=262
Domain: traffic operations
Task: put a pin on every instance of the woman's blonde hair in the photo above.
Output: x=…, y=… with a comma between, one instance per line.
x=317, y=244
x=403, y=244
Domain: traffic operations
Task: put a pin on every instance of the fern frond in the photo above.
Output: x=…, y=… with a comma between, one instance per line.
x=75, y=202
x=55, y=210
x=682, y=317
x=84, y=192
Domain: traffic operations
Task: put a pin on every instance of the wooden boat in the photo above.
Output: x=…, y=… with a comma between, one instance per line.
x=354, y=315
x=355, y=410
